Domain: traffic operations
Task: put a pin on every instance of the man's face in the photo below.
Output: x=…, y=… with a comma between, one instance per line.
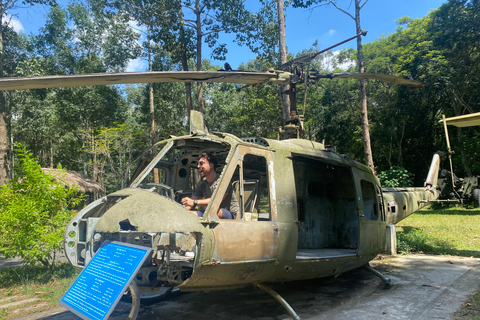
x=204, y=167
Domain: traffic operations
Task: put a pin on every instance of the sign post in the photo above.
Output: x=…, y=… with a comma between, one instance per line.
x=99, y=287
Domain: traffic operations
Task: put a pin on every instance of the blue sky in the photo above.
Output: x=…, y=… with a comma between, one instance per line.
x=325, y=24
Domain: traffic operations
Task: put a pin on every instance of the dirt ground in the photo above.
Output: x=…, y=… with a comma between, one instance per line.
x=424, y=287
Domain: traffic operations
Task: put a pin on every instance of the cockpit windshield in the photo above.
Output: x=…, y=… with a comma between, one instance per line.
x=173, y=172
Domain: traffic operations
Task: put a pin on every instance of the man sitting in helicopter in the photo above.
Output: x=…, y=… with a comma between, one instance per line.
x=201, y=197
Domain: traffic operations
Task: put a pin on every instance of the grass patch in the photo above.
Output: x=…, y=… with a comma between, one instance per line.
x=41, y=286
x=470, y=310
x=452, y=231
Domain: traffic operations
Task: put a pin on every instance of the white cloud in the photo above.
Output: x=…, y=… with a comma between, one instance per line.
x=331, y=32
x=15, y=23
x=137, y=65
x=331, y=62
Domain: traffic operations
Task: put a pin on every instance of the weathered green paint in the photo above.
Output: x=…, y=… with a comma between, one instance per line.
x=148, y=212
x=324, y=215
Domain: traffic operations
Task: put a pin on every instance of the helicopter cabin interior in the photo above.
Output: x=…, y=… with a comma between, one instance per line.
x=328, y=222
x=328, y=217
x=175, y=176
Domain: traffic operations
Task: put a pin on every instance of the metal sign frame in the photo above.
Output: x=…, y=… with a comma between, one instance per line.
x=98, y=288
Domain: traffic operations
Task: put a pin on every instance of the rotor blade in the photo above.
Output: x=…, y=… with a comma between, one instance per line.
x=376, y=76
x=306, y=59
x=244, y=77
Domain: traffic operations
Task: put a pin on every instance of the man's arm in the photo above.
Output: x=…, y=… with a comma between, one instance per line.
x=189, y=203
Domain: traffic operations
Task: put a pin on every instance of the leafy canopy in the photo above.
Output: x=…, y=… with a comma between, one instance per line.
x=34, y=209
x=396, y=177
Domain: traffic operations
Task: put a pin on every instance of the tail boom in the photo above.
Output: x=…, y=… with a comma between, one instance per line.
x=399, y=203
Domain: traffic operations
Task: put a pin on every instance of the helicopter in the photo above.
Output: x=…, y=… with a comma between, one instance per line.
x=304, y=211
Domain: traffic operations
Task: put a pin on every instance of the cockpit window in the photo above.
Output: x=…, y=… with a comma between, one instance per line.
x=173, y=172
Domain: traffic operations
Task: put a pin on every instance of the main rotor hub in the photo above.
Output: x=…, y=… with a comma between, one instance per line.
x=294, y=127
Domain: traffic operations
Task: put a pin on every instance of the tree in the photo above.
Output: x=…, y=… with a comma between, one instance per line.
x=5, y=6
x=454, y=29
x=359, y=4
x=441, y=51
x=34, y=209
x=182, y=27
x=282, y=48
x=82, y=40
x=362, y=91
x=114, y=148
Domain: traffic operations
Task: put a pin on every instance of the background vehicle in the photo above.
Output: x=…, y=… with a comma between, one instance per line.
x=453, y=189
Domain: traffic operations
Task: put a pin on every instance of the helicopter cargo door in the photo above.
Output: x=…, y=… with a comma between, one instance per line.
x=253, y=235
x=371, y=215
x=327, y=209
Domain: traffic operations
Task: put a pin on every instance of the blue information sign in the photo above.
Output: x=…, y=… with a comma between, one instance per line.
x=100, y=285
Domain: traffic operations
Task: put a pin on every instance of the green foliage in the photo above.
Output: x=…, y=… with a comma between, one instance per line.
x=413, y=240
x=35, y=274
x=34, y=208
x=441, y=50
x=396, y=177
x=113, y=149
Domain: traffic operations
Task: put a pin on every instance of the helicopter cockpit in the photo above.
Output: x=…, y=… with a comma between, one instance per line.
x=173, y=174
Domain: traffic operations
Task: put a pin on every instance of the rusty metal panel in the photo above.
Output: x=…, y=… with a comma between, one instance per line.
x=245, y=240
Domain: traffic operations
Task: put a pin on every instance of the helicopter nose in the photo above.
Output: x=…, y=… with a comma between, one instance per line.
x=148, y=212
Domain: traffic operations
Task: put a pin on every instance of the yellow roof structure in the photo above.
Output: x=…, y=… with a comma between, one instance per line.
x=467, y=120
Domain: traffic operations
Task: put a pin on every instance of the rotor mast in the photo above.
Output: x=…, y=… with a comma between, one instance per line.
x=294, y=122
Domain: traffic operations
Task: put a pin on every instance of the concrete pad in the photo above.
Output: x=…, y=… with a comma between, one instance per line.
x=424, y=287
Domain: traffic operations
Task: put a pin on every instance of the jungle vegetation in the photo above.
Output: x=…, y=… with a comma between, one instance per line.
x=101, y=130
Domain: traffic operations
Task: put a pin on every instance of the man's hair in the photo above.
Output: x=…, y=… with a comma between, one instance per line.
x=210, y=158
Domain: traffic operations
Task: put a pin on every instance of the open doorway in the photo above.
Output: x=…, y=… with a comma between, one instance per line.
x=327, y=208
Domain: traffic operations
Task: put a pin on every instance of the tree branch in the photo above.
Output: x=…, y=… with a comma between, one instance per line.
x=213, y=31
x=361, y=6
x=190, y=24
x=191, y=9
x=348, y=14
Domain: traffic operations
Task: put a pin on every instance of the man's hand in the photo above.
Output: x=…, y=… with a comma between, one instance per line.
x=187, y=203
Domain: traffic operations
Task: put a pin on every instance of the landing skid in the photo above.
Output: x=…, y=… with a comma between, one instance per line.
x=279, y=298
x=135, y=293
x=386, y=280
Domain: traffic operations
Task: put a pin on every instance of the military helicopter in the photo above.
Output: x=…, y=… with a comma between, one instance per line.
x=304, y=211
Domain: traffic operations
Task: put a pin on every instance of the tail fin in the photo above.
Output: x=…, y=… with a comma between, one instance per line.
x=432, y=177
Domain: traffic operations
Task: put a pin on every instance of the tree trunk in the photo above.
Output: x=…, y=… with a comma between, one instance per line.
x=363, y=93
x=459, y=107
x=94, y=162
x=4, y=145
x=188, y=85
x=199, y=55
x=153, y=137
x=283, y=58
x=51, y=153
